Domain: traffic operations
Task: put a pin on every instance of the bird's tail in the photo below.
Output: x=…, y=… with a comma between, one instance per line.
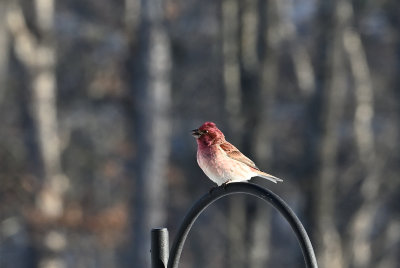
x=268, y=176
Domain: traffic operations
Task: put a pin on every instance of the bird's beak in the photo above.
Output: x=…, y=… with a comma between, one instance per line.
x=196, y=133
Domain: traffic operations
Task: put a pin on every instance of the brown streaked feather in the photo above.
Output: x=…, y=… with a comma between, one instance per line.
x=234, y=153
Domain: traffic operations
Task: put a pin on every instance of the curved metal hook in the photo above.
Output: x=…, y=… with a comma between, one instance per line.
x=246, y=188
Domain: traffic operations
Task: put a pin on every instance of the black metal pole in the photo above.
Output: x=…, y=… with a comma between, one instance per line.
x=159, y=247
x=246, y=188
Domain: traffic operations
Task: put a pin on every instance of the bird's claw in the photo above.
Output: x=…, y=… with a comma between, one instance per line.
x=225, y=184
x=222, y=185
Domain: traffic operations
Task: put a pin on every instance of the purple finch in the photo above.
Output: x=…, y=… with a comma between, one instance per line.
x=221, y=161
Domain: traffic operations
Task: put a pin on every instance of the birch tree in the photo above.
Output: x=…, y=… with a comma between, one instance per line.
x=37, y=53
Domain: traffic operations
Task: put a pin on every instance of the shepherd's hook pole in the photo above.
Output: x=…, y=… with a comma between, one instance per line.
x=159, y=247
x=250, y=189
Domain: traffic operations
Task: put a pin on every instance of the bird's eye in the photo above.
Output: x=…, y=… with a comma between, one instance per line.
x=206, y=131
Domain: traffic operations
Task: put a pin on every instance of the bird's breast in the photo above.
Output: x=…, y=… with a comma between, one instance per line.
x=209, y=162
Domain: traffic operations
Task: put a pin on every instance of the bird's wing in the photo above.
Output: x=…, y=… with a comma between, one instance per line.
x=234, y=153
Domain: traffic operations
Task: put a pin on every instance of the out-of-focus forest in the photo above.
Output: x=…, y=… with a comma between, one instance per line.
x=98, y=98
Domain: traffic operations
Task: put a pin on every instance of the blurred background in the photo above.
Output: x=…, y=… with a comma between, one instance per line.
x=98, y=98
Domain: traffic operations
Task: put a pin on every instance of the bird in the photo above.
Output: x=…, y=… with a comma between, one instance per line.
x=222, y=162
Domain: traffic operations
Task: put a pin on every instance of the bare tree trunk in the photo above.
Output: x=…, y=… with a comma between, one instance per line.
x=301, y=58
x=231, y=62
x=132, y=19
x=236, y=231
x=256, y=223
x=269, y=73
x=390, y=238
x=39, y=57
x=330, y=252
x=249, y=38
x=45, y=110
x=233, y=105
x=151, y=61
x=4, y=47
x=387, y=251
x=260, y=225
x=362, y=222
